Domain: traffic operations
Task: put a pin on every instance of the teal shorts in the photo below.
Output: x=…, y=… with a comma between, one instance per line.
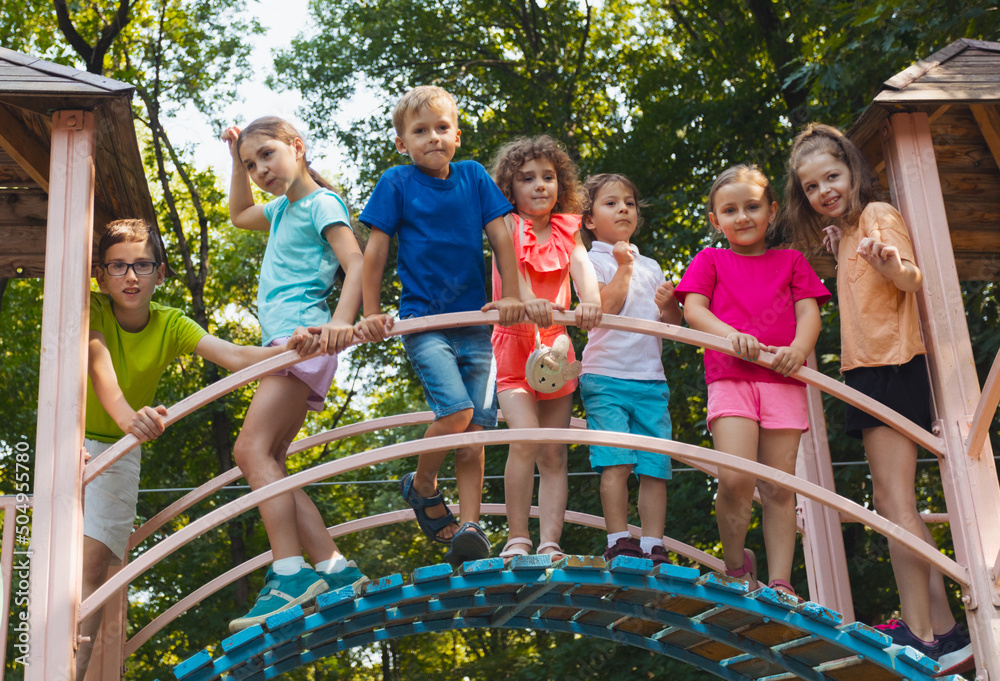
x=626, y=406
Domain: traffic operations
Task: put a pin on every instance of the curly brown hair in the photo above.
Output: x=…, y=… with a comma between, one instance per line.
x=799, y=223
x=512, y=156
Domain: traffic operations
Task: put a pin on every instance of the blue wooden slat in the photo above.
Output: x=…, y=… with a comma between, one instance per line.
x=437, y=599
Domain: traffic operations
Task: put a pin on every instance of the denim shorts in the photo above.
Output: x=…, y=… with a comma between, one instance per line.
x=626, y=406
x=457, y=370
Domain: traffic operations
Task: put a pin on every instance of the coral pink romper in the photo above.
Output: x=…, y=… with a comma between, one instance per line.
x=546, y=267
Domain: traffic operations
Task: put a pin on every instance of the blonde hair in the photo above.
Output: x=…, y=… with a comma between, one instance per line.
x=421, y=97
x=134, y=231
x=799, y=222
x=512, y=156
x=592, y=186
x=743, y=173
x=279, y=129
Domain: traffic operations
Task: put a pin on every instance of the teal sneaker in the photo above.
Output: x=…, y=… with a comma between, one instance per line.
x=281, y=592
x=349, y=576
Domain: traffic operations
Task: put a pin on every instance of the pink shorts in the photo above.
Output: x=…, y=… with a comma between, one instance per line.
x=511, y=348
x=317, y=373
x=774, y=406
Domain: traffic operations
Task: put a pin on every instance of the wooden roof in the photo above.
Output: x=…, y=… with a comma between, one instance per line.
x=30, y=91
x=958, y=88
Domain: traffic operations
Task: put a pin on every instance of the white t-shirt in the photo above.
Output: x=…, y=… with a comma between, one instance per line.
x=622, y=354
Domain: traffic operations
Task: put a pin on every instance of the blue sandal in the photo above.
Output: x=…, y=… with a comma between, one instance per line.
x=429, y=526
x=469, y=543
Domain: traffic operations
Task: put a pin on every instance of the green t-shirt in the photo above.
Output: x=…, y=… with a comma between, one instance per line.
x=139, y=358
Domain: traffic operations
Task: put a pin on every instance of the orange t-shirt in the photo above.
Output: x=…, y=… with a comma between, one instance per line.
x=879, y=325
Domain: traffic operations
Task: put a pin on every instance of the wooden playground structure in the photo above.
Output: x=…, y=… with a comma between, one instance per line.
x=69, y=163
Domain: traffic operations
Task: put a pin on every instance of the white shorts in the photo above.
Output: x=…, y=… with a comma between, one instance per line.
x=110, y=499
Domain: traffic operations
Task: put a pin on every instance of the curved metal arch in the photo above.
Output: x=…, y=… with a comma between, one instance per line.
x=928, y=441
x=709, y=621
x=681, y=451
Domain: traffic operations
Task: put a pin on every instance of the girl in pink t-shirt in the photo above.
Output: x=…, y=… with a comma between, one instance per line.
x=758, y=299
x=540, y=180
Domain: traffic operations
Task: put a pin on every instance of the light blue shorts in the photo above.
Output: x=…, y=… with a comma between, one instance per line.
x=626, y=406
x=457, y=370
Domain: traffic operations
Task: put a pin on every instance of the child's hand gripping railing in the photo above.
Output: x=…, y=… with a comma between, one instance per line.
x=687, y=453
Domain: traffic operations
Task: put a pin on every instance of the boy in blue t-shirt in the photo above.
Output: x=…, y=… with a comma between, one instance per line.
x=439, y=210
x=132, y=341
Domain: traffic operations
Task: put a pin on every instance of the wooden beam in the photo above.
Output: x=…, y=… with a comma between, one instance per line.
x=989, y=124
x=24, y=147
x=57, y=531
x=969, y=480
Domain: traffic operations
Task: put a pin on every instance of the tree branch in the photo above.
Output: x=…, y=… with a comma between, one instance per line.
x=76, y=41
x=108, y=35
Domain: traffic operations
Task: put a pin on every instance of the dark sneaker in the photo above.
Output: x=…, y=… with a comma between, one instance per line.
x=956, y=651
x=281, y=592
x=902, y=636
x=469, y=543
x=626, y=546
x=658, y=555
x=349, y=576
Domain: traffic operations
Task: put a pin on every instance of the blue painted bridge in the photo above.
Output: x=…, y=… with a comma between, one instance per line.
x=706, y=620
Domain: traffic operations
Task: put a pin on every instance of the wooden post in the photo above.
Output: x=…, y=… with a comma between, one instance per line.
x=56, y=540
x=822, y=536
x=108, y=659
x=969, y=478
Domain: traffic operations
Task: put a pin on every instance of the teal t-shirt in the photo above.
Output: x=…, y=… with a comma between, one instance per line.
x=139, y=358
x=299, y=265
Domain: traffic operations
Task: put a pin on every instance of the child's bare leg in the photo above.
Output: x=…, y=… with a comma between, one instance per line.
x=942, y=621
x=429, y=463
x=276, y=414
x=734, y=502
x=553, y=472
x=778, y=449
x=97, y=559
x=520, y=411
x=470, y=467
x=892, y=459
x=652, y=505
x=614, y=497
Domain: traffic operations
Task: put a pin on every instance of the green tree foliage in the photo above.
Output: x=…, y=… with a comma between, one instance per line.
x=669, y=93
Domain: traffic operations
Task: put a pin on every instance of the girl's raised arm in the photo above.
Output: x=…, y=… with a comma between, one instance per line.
x=242, y=211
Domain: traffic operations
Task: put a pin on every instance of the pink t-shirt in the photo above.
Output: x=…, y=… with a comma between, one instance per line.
x=755, y=295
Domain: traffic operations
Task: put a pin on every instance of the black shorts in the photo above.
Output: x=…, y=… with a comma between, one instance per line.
x=904, y=389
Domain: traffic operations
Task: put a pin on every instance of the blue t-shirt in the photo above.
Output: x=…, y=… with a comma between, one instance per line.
x=299, y=265
x=439, y=224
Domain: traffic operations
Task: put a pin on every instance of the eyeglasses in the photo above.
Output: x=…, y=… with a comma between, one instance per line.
x=142, y=268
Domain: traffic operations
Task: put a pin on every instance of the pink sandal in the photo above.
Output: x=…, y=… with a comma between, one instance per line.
x=749, y=568
x=785, y=587
x=556, y=552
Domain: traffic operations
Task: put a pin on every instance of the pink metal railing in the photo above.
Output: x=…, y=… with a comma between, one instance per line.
x=695, y=456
